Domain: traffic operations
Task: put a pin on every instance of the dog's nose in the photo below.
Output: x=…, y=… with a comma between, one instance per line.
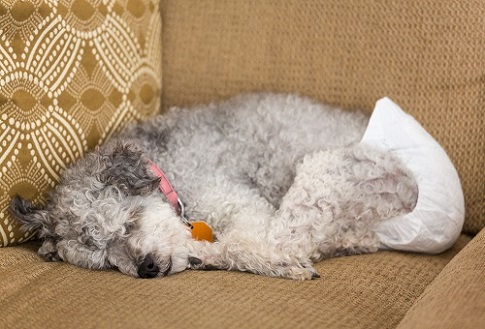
x=148, y=269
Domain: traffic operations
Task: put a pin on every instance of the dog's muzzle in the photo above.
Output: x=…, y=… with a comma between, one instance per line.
x=149, y=269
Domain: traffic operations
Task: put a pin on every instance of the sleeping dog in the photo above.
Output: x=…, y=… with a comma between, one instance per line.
x=281, y=181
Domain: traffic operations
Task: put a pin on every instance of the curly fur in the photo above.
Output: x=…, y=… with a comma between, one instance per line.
x=282, y=180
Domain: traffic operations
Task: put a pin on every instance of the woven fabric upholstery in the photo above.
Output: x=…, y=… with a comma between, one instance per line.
x=456, y=298
x=426, y=55
x=366, y=291
x=72, y=72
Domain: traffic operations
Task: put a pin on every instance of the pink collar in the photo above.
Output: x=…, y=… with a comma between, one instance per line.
x=200, y=230
x=167, y=189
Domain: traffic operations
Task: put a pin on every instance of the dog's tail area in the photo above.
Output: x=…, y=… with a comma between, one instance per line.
x=26, y=213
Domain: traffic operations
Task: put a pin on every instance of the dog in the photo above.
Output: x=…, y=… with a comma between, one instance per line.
x=282, y=181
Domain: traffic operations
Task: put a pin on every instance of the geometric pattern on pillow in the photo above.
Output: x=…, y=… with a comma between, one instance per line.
x=71, y=74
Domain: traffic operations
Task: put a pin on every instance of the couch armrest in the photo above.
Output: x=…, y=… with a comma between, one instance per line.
x=456, y=298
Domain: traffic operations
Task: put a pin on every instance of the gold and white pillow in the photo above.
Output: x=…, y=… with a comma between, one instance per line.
x=71, y=74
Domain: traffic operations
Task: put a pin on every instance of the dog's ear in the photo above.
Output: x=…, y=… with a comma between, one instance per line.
x=26, y=213
x=36, y=219
x=129, y=170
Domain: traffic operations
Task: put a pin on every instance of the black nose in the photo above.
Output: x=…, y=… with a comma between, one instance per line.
x=148, y=269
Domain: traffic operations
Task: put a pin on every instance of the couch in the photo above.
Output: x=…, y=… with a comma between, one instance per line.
x=112, y=62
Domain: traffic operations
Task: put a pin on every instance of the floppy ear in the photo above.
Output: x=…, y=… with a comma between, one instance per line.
x=31, y=217
x=129, y=170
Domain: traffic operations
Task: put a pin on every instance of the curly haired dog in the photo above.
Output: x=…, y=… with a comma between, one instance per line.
x=282, y=181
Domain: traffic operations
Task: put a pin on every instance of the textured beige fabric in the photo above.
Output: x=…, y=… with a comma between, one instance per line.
x=367, y=291
x=71, y=73
x=427, y=55
x=456, y=299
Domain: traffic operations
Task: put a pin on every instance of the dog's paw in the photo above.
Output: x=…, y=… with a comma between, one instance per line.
x=297, y=272
x=300, y=273
x=197, y=264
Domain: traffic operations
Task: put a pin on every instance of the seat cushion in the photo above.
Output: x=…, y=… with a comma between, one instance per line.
x=456, y=298
x=365, y=291
x=71, y=74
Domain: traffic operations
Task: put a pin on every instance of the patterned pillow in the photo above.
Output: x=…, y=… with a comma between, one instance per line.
x=72, y=72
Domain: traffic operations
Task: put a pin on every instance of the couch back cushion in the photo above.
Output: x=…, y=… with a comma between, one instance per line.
x=425, y=55
x=71, y=74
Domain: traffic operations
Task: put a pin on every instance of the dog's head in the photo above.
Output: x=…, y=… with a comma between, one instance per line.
x=107, y=212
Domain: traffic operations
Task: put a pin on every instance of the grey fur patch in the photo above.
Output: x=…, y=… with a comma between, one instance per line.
x=127, y=168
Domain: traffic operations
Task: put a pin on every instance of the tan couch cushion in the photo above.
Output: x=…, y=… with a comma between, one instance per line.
x=428, y=56
x=456, y=298
x=366, y=291
x=71, y=73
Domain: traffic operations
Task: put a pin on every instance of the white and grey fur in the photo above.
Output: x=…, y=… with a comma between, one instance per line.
x=282, y=181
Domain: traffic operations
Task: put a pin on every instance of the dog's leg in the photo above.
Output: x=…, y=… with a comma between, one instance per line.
x=337, y=198
x=248, y=254
x=242, y=243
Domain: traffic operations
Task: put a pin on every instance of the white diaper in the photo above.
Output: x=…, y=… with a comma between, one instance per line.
x=436, y=222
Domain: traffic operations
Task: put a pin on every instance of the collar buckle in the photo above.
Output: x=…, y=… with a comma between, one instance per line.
x=181, y=212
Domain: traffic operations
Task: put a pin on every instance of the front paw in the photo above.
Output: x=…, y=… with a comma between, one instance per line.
x=197, y=264
x=297, y=273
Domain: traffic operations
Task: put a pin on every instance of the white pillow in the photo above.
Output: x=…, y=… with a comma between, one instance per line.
x=436, y=222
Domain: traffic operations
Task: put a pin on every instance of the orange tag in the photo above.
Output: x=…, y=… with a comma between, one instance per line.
x=202, y=231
